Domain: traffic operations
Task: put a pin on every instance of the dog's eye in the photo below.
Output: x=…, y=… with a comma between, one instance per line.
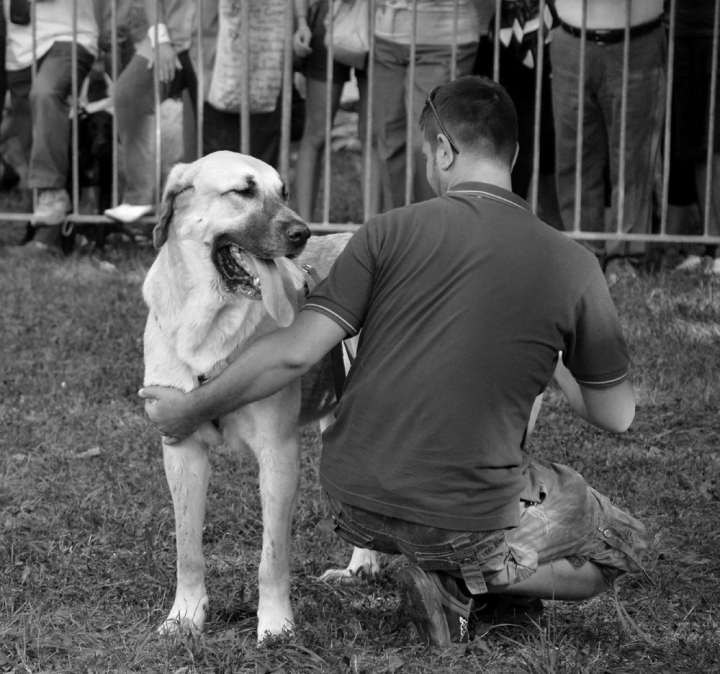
x=246, y=192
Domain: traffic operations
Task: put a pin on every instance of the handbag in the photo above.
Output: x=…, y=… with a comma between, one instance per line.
x=350, y=32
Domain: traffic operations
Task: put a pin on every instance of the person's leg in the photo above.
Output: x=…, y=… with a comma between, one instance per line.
x=313, y=143
x=389, y=117
x=432, y=67
x=364, y=120
x=49, y=157
x=714, y=211
x=643, y=133
x=566, y=91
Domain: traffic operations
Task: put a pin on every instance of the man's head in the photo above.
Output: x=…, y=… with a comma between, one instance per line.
x=471, y=118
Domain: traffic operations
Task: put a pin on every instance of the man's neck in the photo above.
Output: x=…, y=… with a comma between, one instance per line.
x=491, y=174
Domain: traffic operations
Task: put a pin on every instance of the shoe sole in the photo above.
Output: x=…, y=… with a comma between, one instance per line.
x=416, y=598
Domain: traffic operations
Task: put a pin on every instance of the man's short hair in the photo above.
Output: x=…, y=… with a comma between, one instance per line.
x=479, y=115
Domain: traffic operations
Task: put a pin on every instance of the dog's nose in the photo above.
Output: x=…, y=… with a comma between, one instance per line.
x=297, y=232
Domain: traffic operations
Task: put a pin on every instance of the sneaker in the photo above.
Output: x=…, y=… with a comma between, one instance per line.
x=52, y=207
x=714, y=267
x=128, y=213
x=506, y=609
x=438, y=609
x=690, y=263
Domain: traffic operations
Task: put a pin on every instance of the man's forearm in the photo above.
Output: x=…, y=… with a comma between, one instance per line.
x=256, y=374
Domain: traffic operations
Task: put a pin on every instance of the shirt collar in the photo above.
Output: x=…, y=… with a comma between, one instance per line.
x=490, y=191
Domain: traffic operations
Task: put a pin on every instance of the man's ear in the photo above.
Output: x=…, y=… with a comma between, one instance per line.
x=517, y=152
x=444, y=154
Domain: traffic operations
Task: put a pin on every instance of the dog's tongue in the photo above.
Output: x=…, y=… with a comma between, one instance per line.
x=273, y=292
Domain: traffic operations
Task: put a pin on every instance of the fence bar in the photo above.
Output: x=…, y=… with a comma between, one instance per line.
x=711, y=128
x=454, y=48
x=157, y=102
x=327, y=150
x=668, y=120
x=580, y=123
x=245, y=78
x=287, y=93
x=114, y=75
x=200, y=98
x=409, y=90
x=496, y=41
x=368, y=142
x=539, y=66
x=623, y=119
x=75, y=111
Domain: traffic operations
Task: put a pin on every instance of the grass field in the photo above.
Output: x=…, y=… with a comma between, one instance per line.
x=86, y=527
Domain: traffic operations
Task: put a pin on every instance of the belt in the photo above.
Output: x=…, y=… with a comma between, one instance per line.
x=612, y=35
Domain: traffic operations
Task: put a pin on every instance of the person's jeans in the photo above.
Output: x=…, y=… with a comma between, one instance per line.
x=135, y=109
x=602, y=98
x=432, y=67
x=45, y=131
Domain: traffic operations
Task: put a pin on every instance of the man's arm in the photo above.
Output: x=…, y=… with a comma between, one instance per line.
x=266, y=367
x=612, y=409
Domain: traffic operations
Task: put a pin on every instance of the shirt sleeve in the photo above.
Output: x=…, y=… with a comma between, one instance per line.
x=596, y=352
x=344, y=296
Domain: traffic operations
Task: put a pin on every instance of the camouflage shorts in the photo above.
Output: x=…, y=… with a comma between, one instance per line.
x=561, y=517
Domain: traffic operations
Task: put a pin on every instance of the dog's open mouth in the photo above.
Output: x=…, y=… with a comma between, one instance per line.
x=256, y=279
x=237, y=270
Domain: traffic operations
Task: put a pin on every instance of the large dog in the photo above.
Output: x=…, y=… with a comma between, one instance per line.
x=223, y=277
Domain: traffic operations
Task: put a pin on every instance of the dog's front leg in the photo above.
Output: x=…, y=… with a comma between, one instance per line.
x=187, y=468
x=279, y=487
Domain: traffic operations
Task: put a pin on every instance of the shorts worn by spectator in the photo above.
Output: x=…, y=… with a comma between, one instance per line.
x=465, y=302
x=601, y=90
x=41, y=105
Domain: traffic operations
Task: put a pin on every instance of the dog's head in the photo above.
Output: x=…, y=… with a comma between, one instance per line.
x=235, y=207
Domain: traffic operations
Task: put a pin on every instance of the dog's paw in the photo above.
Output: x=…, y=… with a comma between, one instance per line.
x=188, y=615
x=274, y=628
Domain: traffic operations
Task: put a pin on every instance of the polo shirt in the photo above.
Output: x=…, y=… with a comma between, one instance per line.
x=464, y=302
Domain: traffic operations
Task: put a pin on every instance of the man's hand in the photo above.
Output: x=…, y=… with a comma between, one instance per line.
x=168, y=62
x=169, y=411
x=301, y=41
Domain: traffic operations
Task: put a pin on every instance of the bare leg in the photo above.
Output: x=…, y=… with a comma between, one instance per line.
x=187, y=468
x=559, y=580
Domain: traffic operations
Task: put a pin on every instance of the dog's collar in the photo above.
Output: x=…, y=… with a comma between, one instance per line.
x=314, y=277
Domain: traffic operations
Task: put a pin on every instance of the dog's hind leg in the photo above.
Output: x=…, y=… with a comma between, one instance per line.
x=187, y=468
x=364, y=564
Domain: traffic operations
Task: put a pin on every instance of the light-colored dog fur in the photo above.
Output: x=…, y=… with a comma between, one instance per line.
x=197, y=320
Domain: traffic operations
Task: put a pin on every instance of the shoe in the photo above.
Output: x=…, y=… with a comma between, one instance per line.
x=52, y=207
x=619, y=269
x=506, y=609
x=714, y=267
x=690, y=263
x=128, y=213
x=436, y=606
x=9, y=177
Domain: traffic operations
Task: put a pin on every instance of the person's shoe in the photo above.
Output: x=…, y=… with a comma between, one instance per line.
x=690, y=263
x=506, y=609
x=52, y=207
x=128, y=213
x=619, y=269
x=715, y=267
x=9, y=177
x=437, y=607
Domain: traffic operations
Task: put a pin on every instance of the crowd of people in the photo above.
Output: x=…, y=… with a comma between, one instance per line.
x=617, y=196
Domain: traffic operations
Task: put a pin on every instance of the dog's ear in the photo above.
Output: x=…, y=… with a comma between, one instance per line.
x=172, y=187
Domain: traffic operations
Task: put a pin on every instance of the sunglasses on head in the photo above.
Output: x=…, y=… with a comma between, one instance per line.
x=429, y=102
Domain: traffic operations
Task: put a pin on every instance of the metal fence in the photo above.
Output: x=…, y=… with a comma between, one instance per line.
x=203, y=7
